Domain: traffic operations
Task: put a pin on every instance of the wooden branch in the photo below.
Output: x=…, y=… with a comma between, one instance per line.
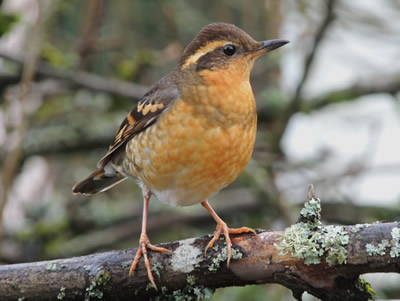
x=84, y=79
x=187, y=272
x=309, y=60
x=386, y=83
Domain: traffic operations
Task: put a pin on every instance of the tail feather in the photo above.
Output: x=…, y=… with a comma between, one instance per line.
x=97, y=181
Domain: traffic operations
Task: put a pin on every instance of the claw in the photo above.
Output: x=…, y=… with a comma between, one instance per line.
x=144, y=244
x=222, y=227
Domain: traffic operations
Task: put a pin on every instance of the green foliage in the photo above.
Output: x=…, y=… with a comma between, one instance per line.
x=7, y=21
x=364, y=286
x=59, y=58
x=130, y=69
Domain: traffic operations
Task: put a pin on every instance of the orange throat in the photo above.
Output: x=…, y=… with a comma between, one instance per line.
x=205, y=142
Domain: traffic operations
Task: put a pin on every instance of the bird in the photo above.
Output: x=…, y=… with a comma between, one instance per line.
x=191, y=134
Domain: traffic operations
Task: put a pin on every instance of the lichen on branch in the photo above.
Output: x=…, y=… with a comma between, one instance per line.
x=310, y=240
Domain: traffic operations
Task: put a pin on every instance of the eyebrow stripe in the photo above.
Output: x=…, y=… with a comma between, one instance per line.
x=203, y=50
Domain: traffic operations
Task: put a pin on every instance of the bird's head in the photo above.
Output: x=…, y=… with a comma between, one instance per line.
x=222, y=46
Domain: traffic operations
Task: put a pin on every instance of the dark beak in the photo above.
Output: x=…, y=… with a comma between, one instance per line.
x=270, y=45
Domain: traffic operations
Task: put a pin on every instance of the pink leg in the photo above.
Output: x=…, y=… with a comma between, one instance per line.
x=222, y=227
x=144, y=243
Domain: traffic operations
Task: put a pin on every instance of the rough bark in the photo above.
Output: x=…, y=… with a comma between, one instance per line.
x=190, y=274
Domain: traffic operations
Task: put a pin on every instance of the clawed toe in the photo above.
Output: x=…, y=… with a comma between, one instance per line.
x=145, y=244
x=223, y=228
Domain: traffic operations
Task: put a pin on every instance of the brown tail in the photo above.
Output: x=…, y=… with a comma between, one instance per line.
x=97, y=181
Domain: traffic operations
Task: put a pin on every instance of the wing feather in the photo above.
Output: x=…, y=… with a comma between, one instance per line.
x=147, y=111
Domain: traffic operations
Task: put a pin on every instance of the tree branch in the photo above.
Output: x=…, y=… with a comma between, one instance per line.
x=188, y=272
x=84, y=79
x=327, y=21
x=296, y=101
x=387, y=83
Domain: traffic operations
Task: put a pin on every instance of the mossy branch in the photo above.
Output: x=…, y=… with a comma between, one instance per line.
x=325, y=261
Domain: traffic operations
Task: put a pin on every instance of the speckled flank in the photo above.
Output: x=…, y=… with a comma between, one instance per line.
x=202, y=144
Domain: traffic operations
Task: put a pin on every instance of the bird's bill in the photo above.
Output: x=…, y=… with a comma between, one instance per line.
x=266, y=46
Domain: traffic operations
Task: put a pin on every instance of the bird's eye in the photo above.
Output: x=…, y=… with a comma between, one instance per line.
x=229, y=49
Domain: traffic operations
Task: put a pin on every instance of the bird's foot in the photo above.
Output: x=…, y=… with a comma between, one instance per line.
x=144, y=244
x=223, y=228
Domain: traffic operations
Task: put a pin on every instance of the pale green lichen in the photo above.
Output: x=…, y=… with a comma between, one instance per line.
x=379, y=249
x=21, y=298
x=186, y=257
x=358, y=227
x=93, y=291
x=87, y=268
x=333, y=242
x=191, y=292
x=126, y=264
x=97, y=288
x=149, y=286
x=236, y=254
x=61, y=294
x=156, y=268
x=221, y=256
x=310, y=240
x=395, y=242
x=191, y=280
x=312, y=210
x=103, y=280
x=51, y=266
x=188, y=293
x=203, y=293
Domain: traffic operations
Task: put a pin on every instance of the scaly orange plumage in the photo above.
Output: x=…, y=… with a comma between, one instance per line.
x=192, y=134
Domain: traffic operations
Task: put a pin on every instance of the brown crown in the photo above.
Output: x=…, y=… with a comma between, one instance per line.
x=217, y=32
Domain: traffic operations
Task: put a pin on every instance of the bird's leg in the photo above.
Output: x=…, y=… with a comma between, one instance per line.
x=144, y=242
x=223, y=228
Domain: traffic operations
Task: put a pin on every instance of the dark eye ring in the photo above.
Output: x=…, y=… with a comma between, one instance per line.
x=229, y=49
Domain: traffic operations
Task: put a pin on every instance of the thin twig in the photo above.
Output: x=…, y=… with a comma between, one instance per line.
x=295, y=103
x=84, y=79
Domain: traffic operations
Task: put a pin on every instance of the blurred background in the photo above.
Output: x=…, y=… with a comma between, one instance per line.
x=328, y=107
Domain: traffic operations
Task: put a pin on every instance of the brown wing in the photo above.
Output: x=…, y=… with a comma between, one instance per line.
x=149, y=108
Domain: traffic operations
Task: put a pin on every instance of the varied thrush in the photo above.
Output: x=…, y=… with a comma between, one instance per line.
x=192, y=133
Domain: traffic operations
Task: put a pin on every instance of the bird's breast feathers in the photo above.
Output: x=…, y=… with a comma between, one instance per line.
x=196, y=147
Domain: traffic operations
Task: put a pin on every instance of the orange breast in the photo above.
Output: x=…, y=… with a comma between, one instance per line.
x=198, y=146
